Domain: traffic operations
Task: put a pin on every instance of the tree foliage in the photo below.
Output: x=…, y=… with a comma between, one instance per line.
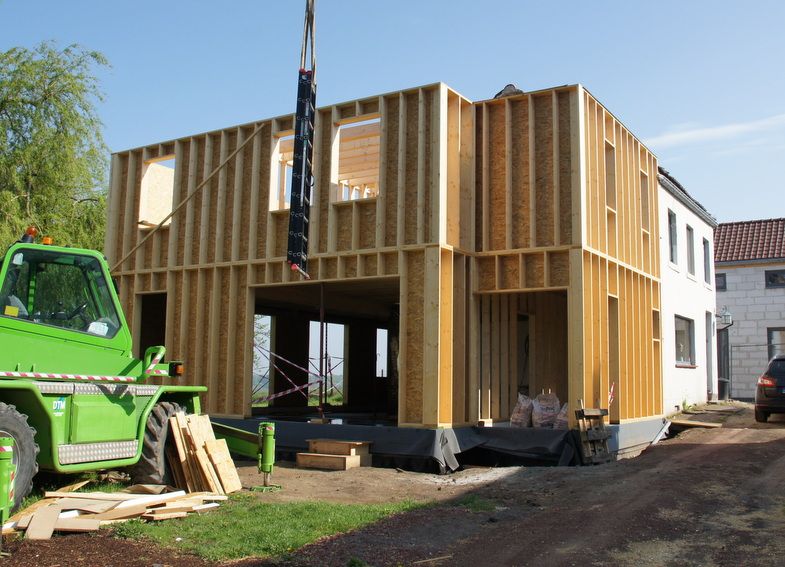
x=52, y=153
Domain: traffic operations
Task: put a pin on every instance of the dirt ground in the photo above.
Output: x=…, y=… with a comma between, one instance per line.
x=708, y=497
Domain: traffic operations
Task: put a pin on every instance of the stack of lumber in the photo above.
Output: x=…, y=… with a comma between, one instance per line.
x=197, y=460
x=67, y=511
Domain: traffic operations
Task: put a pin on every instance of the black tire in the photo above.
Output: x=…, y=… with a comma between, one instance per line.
x=761, y=416
x=14, y=424
x=152, y=467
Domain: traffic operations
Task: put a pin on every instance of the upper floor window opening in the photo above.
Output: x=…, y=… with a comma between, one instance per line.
x=357, y=145
x=157, y=191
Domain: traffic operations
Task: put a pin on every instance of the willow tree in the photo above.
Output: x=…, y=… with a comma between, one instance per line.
x=52, y=153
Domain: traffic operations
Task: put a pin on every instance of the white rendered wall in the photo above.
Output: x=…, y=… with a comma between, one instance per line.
x=687, y=296
x=754, y=309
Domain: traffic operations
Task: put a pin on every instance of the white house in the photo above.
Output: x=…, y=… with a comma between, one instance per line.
x=689, y=361
x=750, y=280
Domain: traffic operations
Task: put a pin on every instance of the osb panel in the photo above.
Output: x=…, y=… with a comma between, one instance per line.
x=343, y=218
x=497, y=178
x=392, y=126
x=559, y=264
x=509, y=272
x=263, y=204
x=330, y=268
x=543, y=154
x=565, y=169
x=479, y=155
x=116, y=251
x=228, y=198
x=519, y=168
x=349, y=266
x=535, y=270
x=410, y=169
x=414, y=334
x=195, y=205
x=370, y=265
x=390, y=260
x=431, y=176
x=213, y=193
x=180, y=192
x=175, y=298
x=280, y=220
x=367, y=218
x=486, y=273
x=222, y=328
x=245, y=199
x=322, y=183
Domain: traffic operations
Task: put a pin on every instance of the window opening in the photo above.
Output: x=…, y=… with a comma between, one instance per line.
x=672, y=236
x=381, y=353
x=610, y=176
x=690, y=250
x=152, y=328
x=720, y=282
x=644, y=201
x=157, y=191
x=358, y=149
x=775, y=278
x=281, y=172
x=260, y=384
x=685, y=341
x=334, y=368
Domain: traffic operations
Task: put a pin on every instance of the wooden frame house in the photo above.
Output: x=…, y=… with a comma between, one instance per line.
x=506, y=245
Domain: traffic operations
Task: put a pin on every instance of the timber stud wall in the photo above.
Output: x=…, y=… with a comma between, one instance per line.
x=484, y=211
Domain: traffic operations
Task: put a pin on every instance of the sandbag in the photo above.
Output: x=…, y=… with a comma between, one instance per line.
x=522, y=412
x=562, y=420
x=545, y=408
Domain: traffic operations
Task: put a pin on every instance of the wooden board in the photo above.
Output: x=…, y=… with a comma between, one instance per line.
x=177, y=424
x=327, y=462
x=42, y=523
x=218, y=452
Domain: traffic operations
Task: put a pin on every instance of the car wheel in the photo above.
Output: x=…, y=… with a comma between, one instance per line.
x=761, y=416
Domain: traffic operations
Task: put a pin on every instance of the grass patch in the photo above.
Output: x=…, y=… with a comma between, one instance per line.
x=244, y=526
x=475, y=503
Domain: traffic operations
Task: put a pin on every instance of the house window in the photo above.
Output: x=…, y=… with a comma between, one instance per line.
x=358, y=152
x=644, y=201
x=775, y=337
x=685, y=341
x=672, y=236
x=157, y=191
x=690, y=250
x=720, y=283
x=775, y=278
x=706, y=261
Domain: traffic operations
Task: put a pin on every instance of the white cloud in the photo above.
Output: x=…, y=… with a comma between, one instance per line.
x=680, y=136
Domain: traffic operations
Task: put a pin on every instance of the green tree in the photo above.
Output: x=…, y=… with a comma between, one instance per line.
x=52, y=154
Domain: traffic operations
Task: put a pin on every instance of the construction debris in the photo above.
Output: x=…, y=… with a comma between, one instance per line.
x=64, y=511
x=203, y=473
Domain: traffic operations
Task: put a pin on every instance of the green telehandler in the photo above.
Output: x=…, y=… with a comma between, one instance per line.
x=72, y=395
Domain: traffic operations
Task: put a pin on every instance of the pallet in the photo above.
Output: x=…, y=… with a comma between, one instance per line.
x=594, y=436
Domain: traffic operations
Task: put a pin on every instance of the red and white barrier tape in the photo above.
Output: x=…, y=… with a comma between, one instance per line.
x=286, y=392
x=6, y=448
x=156, y=359
x=50, y=376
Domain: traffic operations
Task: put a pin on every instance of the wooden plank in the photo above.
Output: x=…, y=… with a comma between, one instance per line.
x=175, y=427
x=86, y=505
x=169, y=516
x=174, y=465
x=43, y=503
x=689, y=423
x=114, y=496
x=42, y=524
x=194, y=441
x=218, y=453
x=328, y=462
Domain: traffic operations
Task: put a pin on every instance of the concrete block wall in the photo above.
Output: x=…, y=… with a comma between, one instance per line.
x=755, y=309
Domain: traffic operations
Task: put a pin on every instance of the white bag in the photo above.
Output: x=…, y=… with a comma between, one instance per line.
x=562, y=420
x=545, y=408
x=522, y=413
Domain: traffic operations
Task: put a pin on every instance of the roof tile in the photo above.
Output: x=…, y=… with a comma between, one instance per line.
x=749, y=240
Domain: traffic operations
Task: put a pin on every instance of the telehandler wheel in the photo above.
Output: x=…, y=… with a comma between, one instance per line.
x=14, y=424
x=152, y=468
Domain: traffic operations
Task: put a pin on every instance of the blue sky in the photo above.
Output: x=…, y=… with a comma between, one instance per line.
x=701, y=82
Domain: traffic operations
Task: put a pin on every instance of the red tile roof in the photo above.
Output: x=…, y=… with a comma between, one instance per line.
x=749, y=240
